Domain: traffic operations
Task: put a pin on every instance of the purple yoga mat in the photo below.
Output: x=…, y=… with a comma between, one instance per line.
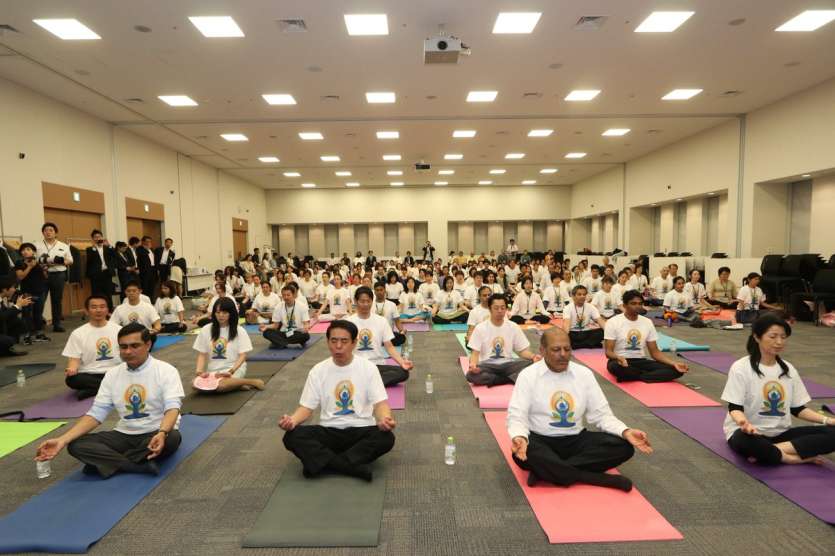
x=722, y=361
x=62, y=406
x=416, y=326
x=812, y=487
x=397, y=396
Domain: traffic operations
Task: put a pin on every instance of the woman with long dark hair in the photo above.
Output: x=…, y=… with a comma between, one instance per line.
x=763, y=392
x=449, y=306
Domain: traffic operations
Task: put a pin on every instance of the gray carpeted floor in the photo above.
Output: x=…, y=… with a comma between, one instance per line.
x=474, y=507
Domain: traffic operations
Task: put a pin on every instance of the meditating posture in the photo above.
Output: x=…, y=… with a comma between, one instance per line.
x=722, y=291
x=170, y=309
x=551, y=401
x=91, y=349
x=262, y=307
x=412, y=304
x=375, y=338
x=147, y=394
x=582, y=321
x=659, y=287
x=134, y=309
x=291, y=322
x=607, y=300
x=388, y=310
x=527, y=305
x=449, y=305
x=751, y=300
x=355, y=422
x=763, y=392
x=337, y=301
x=697, y=293
x=221, y=348
x=493, y=344
x=480, y=312
x=677, y=305
x=628, y=337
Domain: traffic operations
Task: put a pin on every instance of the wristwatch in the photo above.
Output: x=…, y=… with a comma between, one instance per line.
x=166, y=433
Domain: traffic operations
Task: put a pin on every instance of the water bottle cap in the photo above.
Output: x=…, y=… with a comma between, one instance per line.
x=428, y=376
x=449, y=439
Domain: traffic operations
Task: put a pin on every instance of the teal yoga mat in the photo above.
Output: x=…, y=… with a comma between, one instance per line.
x=665, y=341
x=455, y=326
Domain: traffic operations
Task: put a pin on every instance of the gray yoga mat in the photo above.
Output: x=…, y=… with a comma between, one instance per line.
x=8, y=374
x=197, y=403
x=328, y=511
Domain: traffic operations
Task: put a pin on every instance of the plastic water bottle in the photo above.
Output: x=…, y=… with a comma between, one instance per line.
x=44, y=469
x=21, y=378
x=410, y=340
x=673, y=348
x=430, y=386
x=449, y=451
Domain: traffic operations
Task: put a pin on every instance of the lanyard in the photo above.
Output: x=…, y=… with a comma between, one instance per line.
x=290, y=322
x=380, y=308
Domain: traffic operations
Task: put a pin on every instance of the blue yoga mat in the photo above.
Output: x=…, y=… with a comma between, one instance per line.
x=165, y=341
x=286, y=354
x=664, y=342
x=252, y=328
x=79, y=510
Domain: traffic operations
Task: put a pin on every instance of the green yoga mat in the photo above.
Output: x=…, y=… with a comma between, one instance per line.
x=328, y=511
x=17, y=435
x=664, y=342
x=462, y=339
x=197, y=403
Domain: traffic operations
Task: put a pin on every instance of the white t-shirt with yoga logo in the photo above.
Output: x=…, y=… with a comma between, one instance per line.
x=222, y=353
x=677, y=302
x=96, y=346
x=338, y=301
x=168, y=309
x=142, y=312
x=630, y=336
x=411, y=303
x=582, y=318
x=265, y=304
x=373, y=332
x=492, y=341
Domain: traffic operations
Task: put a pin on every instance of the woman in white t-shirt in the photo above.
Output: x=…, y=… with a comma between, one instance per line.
x=412, y=305
x=393, y=287
x=528, y=305
x=677, y=304
x=170, y=308
x=337, y=302
x=449, y=306
x=204, y=318
x=263, y=306
x=763, y=392
x=696, y=292
x=491, y=283
x=222, y=347
x=751, y=300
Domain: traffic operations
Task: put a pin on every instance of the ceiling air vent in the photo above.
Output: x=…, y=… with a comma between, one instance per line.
x=731, y=93
x=329, y=98
x=134, y=100
x=590, y=22
x=292, y=25
x=532, y=96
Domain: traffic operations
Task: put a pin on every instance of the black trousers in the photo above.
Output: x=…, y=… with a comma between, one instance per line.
x=586, y=338
x=441, y=320
x=56, y=281
x=112, y=451
x=399, y=339
x=807, y=441
x=541, y=319
x=164, y=271
x=87, y=384
x=645, y=370
x=33, y=314
x=654, y=302
x=499, y=372
x=722, y=304
x=173, y=328
x=204, y=321
x=319, y=447
x=279, y=340
x=392, y=374
x=6, y=343
x=102, y=284
x=149, y=283
x=566, y=460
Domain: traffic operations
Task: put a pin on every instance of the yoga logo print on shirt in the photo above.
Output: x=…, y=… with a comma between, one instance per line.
x=133, y=317
x=412, y=302
x=365, y=340
x=104, y=349
x=219, y=348
x=562, y=409
x=633, y=340
x=497, y=347
x=773, y=399
x=166, y=307
x=337, y=300
x=344, y=394
x=135, y=401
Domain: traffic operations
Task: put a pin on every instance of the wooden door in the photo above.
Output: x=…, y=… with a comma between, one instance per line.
x=135, y=228
x=153, y=228
x=74, y=228
x=239, y=243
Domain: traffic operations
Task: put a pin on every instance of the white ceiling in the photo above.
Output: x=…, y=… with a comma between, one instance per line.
x=228, y=76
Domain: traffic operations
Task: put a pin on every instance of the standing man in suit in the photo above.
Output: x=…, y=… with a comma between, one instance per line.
x=409, y=259
x=126, y=264
x=370, y=260
x=428, y=252
x=101, y=267
x=165, y=257
x=147, y=262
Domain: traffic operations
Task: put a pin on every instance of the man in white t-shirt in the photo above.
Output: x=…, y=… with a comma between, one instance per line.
x=91, y=349
x=480, y=312
x=582, y=321
x=147, y=394
x=291, y=322
x=428, y=288
x=263, y=305
x=355, y=422
x=389, y=311
x=135, y=310
x=627, y=338
x=659, y=287
x=551, y=402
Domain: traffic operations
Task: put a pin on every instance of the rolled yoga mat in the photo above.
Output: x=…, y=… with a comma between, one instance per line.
x=573, y=514
x=664, y=343
x=721, y=361
x=63, y=406
x=165, y=341
x=812, y=487
x=17, y=435
x=286, y=354
x=455, y=326
x=397, y=396
x=8, y=375
x=200, y=403
x=76, y=512
x=496, y=397
x=657, y=394
x=328, y=511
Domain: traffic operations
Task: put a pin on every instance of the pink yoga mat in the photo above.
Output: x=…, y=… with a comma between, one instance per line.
x=497, y=397
x=416, y=326
x=663, y=394
x=397, y=396
x=320, y=327
x=584, y=513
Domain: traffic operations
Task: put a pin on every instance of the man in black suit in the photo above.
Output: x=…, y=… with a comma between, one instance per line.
x=101, y=267
x=11, y=307
x=428, y=252
x=409, y=259
x=126, y=264
x=256, y=256
x=370, y=260
x=147, y=262
x=165, y=257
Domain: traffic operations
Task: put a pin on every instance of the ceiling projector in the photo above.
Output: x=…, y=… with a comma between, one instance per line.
x=443, y=49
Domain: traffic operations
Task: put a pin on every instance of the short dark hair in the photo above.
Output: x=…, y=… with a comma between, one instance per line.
x=121, y=243
x=579, y=287
x=724, y=269
x=607, y=280
x=95, y=231
x=133, y=283
x=146, y=237
x=363, y=290
x=169, y=239
x=25, y=245
x=49, y=225
x=344, y=325
x=134, y=328
x=8, y=281
x=91, y=298
x=630, y=295
x=496, y=297
x=287, y=288
x=133, y=240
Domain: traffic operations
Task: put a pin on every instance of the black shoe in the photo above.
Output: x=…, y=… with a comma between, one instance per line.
x=13, y=351
x=90, y=469
x=58, y=328
x=41, y=337
x=27, y=341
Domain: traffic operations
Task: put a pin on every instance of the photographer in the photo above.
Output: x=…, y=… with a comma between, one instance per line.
x=11, y=307
x=33, y=283
x=56, y=256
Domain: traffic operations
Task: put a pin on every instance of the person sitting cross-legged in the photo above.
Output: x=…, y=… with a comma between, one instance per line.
x=582, y=320
x=551, y=401
x=355, y=422
x=90, y=349
x=291, y=322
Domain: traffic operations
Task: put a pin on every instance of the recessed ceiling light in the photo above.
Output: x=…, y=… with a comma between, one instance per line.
x=540, y=132
x=575, y=155
x=352, y=184
x=67, y=29
x=367, y=24
x=516, y=22
x=441, y=183
x=269, y=159
x=712, y=193
x=678, y=200
x=308, y=185
x=548, y=171
x=396, y=184
x=329, y=158
x=391, y=157
x=388, y=135
x=497, y=171
x=615, y=132
x=514, y=156
x=463, y=133
x=234, y=136
x=291, y=174
x=453, y=156
x=310, y=136
x=395, y=172
x=177, y=100
x=342, y=173
x=681, y=94
x=808, y=21
x=663, y=22
x=528, y=182
x=806, y=176
x=485, y=182
x=382, y=97
x=582, y=95
x=279, y=99
x=482, y=96
x=217, y=26
x=446, y=172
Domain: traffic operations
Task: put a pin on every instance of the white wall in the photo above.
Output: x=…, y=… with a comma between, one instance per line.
x=821, y=228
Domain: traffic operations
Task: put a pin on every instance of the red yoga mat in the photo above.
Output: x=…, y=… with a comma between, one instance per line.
x=578, y=513
x=659, y=394
x=497, y=397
